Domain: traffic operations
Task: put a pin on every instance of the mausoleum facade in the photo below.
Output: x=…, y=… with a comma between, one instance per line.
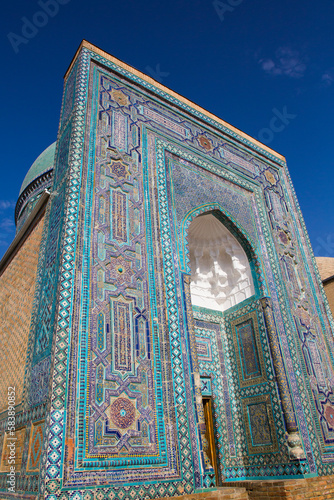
x=170, y=331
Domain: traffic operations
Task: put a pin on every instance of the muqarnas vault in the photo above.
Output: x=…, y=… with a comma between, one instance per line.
x=175, y=333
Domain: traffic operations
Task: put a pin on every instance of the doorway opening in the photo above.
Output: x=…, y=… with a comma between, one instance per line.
x=221, y=278
x=210, y=435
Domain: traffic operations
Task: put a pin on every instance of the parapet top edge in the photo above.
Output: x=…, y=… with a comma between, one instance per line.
x=151, y=81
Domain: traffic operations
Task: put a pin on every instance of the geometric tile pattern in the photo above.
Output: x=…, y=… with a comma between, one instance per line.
x=239, y=407
x=280, y=370
x=55, y=424
x=126, y=419
x=119, y=149
x=260, y=426
x=125, y=429
x=248, y=350
x=206, y=387
x=39, y=382
x=35, y=446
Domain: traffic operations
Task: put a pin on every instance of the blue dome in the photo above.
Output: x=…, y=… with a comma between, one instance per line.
x=38, y=178
x=42, y=164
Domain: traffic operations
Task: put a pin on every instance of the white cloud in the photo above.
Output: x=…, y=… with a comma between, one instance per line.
x=7, y=224
x=286, y=62
x=5, y=204
x=327, y=78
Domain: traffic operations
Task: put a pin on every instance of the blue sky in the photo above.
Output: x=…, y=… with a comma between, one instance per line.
x=244, y=60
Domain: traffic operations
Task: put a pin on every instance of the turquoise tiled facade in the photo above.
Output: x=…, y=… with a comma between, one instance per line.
x=118, y=357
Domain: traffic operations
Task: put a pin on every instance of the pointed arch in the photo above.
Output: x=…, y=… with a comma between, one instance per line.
x=222, y=262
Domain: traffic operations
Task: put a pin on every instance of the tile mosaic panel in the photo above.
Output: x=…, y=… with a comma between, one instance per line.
x=239, y=450
x=232, y=199
x=44, y=318
x=127, y=415
x=248, y=350
x=260, y=426
x=247, y=345
x=110, y=249
x=35, y=446
x=122, y=336
x=119, y=219
x=69, y=95
x=206, y=386
x=204, y=349
x=39, y=382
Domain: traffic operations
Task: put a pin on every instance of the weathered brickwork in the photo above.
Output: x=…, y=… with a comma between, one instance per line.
x=325, y=267
x=17, y=287
x=326, y=271
x=319, y=488
x=239, y=493
x=329, y=289
x=12, y=449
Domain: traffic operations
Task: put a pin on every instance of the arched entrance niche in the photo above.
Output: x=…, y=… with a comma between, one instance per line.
x=223, y=265
x=234, y=331
x=223, y=274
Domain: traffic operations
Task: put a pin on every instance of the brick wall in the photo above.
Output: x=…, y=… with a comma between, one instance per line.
x=228, y=493
x=320, y=488
x=329, y=289
x=17, y=287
